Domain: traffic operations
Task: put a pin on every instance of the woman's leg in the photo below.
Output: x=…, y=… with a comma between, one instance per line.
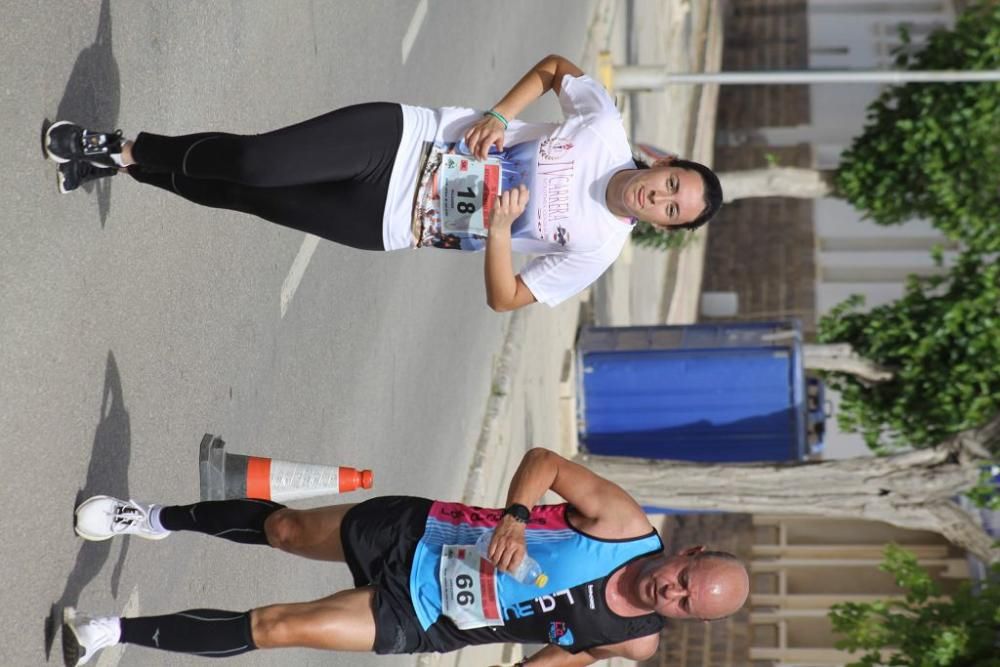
x=345, y=212
x=354, y=143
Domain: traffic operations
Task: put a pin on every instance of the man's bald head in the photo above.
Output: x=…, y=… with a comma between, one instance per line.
x=694, y=583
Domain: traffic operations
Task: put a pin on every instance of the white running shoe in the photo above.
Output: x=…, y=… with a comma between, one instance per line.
x=102, y=517
x=83, y=636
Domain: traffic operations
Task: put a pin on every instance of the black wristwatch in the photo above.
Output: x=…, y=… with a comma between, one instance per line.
x=520, y=513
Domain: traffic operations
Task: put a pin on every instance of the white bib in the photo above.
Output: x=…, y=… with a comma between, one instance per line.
x=468, y=189
x=468, y=588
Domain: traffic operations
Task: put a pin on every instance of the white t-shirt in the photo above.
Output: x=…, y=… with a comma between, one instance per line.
x=566, y=168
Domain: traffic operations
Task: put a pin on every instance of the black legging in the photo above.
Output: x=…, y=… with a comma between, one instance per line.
x=328, y=176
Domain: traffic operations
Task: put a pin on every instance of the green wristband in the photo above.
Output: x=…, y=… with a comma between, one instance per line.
x=496, y=115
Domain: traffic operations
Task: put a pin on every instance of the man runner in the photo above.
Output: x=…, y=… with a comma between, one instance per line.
x=609, y=582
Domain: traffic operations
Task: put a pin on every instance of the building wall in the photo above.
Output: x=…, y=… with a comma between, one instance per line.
x=762, y=249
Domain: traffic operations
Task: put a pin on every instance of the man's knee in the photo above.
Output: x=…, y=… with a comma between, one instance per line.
x=284, y=529
x=270, y=628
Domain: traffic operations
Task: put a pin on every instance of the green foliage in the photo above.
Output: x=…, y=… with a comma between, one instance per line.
x=923, y=630
x=984, y=493
x=942, y=343
x=648, y=236
x=933, y=149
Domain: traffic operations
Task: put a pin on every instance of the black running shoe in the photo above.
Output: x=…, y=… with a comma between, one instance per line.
x=72, y=175
x=66, y=141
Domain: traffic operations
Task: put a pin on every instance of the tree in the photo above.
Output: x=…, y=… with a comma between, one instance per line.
x=914, y=489
x=923, y=629
x=927, y=150
x=940, y=341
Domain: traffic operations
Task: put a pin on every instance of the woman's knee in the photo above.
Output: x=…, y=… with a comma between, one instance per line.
x=253, y=162
x=285, y=529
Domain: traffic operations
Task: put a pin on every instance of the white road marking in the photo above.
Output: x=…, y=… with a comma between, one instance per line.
x=411, y=31
x=295, y=273
x=111, y=656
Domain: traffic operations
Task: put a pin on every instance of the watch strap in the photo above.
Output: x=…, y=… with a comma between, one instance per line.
x=520, y=513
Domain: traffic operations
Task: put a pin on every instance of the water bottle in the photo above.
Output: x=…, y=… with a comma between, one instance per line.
x=528, y=572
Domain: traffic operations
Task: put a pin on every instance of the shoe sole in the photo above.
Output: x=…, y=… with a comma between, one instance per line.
x=101, y=538
x=70, y=641
x=45, y=144
x=61, y=183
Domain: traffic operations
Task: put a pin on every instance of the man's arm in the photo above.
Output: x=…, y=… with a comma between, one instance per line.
x=608, y=511
x=641, y=648
x=546, y=75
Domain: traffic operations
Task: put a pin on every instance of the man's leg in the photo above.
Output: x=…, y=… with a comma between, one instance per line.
x=313, y=533
x=341, y=622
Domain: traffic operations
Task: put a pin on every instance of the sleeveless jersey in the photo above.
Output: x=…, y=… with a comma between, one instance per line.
x=570, y=610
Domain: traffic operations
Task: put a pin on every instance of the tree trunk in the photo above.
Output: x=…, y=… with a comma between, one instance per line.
x=841, y=358
x=777, y=182
x=911, y=490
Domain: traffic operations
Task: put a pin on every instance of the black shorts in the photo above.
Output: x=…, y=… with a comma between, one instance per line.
x=380, y=537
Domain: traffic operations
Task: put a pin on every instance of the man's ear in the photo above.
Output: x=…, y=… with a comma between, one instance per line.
x=693, y=551
x=664, y=161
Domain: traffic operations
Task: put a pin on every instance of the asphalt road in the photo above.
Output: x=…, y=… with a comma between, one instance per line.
x=133, y=321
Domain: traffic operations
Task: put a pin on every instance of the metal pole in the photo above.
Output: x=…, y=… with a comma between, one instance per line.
x=655, y=77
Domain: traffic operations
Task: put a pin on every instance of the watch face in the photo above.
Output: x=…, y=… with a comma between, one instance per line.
x=519, y=512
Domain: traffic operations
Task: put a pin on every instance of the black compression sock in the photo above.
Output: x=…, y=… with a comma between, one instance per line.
x=210, y=633
x=240, y=520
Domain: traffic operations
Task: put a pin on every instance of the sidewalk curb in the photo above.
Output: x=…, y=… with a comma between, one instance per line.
x=500, y=391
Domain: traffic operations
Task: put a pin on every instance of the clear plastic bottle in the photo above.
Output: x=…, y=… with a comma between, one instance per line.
x=528, y=572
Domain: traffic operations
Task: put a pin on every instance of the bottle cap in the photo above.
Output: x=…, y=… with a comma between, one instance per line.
x=541, y=580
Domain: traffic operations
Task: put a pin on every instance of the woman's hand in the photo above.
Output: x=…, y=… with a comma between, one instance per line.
x=507, y=547
x=487, y=131
x=509, y=206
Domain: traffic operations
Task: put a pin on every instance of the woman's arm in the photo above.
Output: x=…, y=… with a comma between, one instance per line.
x=504, y=290
x=545, y=76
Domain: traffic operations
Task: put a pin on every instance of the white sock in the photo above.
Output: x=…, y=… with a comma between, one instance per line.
x=154, y=519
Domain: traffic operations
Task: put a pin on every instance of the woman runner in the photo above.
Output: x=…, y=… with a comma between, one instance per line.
x=384, y=176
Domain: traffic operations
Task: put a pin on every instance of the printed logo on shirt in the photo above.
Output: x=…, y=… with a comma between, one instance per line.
x=553, y=149
x=560, y=634
x=545, y=604
x=590, y=596
x=561, y=236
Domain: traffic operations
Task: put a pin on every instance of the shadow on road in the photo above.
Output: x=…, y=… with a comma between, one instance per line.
x=93, y=96
x=107, y=474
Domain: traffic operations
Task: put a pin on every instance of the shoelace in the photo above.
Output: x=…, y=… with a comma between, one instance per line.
x=127, y=516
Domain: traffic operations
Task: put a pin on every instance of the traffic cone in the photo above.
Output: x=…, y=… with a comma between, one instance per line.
x=225, y=475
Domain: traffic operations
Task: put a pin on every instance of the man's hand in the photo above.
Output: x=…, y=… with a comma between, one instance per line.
x=507, y=547
x=487, y=131
x=508, y=207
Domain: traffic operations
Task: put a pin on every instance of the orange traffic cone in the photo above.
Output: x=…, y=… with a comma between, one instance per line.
x=225, y=475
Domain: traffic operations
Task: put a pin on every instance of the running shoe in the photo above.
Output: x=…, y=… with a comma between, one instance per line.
x=71, y=175
x=102, y=517
x=66, y=141
x=83, y=636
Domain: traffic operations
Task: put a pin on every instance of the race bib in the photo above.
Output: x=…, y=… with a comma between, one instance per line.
x=468, y=189
x=468, y=588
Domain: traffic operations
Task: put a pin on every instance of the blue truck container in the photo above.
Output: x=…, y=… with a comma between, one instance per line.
x=704, y=392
